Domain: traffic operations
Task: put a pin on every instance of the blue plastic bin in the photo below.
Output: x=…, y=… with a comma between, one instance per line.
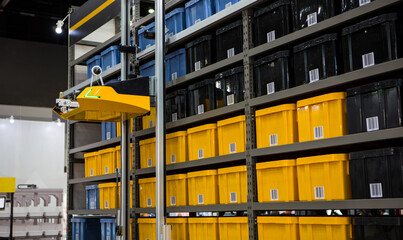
x=108, y=226
x=86, y=229
x=91, y=63
x=175, y=21
x=92, y=199
x=147, y=69
x=223, y=4
x=110, y=57
x=175, y=66
x=143, y=42
x=198, y=10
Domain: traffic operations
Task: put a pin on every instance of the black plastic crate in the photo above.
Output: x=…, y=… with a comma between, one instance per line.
x=175, y=106
x=271, y=73
x=376, y=228
x=316, y=59
x=370, y=42
x=272, y=22
x=231, y=84
x=375, y=106
x=203, y=96
x=377, y=173
x=199, y=53
x=307, y=12
x=350, y=4
x=229, y=40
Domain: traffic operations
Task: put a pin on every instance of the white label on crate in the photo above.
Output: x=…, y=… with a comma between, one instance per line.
x=273, y=140
x=108, y=135
x=173, y=158
x=230, y=52
x=200, y=199
x=274, y=194
x=314, y=75
x=375, y=190
x=270, y=88
x=228, y=5
x=312, y=19
x=174, y=117
x=318, y=132
x=197, y=20
x=232, y=148
x=77, y=236
x=271, y=36
x=218, y=84
x=200, y=153
x=200, y=109
x=106, y=170
x=149, y=162
x=233, y=197
x=174, y=76
x=91, y=172
x=197, y=66
x=150, y=124
x=108, y=237
x=173, y=201
x=230, y=99
x=368, y=60
x=149, y=202
x=92, y=205
x=106, y=204
x=372, y=123
x=148, y=45
x=364, y=2
x=319, y=192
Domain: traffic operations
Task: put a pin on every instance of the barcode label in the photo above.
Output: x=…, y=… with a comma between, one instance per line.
x=312, y=19
x=230, y=52
x=174, y=76
x=314, y=75
x=149, y=202
x=108, y=237
x=232, y=148
x=230, y=99
x=197, y=21
x=319, y=193
x=364, y=2
x=77, y=236
x=271, y=36
x=174, y=117
x=200, y=199
x=149, y=162
x=92, y=205
x=106, y=170
x=106, y=204
x=108, y=135
x=274, y=194
x=375, y=190
x=200, y=109
x=318, y=132
x=200, y=153
x=149, y=45
x=197, y=66
x=91, y=172
x=150, y=124
x=232, y=197
x=270, y=88
x=368, y=60
x=228, y=5
x=372, y=123
x=173, y=201
x=173, y=158
x=273, y=140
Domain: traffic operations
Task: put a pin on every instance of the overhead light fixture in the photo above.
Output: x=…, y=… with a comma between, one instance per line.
x=59, y=26
x=12, y=119
x=151, y=11
x=58, y=122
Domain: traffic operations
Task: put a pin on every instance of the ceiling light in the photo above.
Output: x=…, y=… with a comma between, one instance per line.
x=12, y=119
x=151, y=11
x=59, y=26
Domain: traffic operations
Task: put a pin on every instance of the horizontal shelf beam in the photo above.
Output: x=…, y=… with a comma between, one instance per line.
x=93, y=212
x=201, y=208
x=99, y=178
x=96, y=146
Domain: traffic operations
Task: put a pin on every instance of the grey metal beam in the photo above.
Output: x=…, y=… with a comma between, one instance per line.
x=99, y=178
x=201, y=208
x=104, y=212
x=96, y=146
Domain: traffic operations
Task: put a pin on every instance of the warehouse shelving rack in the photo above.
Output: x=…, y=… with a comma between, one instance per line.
x=252, y=155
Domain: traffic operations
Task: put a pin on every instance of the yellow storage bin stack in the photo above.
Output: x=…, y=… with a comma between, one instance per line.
x=107, y=159
x=322, y=117
x=276, y=126
x=147, y=192
x=147, y=227
x=203, y=228
x=337, y=228
x=203, y=187
x=231, y=135
x=107, y=195
x=118, y=156
x=176, y=147
x=149, y=120
x=176, y=190
x=233, y=228
x=233, y=185
x=202, y=141
x=147, y=153
x=277, y=181
x=324, y=177
x=119, y=130
x=91, y=164
x=279, y=228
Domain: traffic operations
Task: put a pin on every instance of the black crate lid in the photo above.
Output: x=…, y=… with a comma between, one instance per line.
x=229, y=73
x=382, y=152
x=228, y=27
x=271, y=7
x=380, y=221
x=201, y=84
x=315, y=42
x=271, y=58
x=369, y=23
x=372, y=87
x=176, y=93
x=198, y=41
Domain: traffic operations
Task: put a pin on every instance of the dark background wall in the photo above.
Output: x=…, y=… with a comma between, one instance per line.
x=31, y=73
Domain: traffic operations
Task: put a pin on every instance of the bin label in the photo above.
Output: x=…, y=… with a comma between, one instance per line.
x=200, y=153
x=230, y=99
x=230, y=52
x=106, y=170
x=149, y=162
x=92, y=205
x=233, y=197
x=318, y=132
x=271, y=36
x=375, y=190
x=312, y=19
x=150, y=124
x=372, y=123
x=108, y=135
x=91, y=172
x=228, y=5
x=149, y=202
x=77, y=236
x=173, y=158
x=197, y=66
x=200, y=109
x=270, y=88
x=173, y=201
x=319, y=192
x=273, y=140
x=314, y=75
x=200, y=199
x=108, y=237
x=106, y=204
x=368, y=60
x=174, y=76
x=364, y=2
x=274, y=194
x=232, y=148
x=174, y=117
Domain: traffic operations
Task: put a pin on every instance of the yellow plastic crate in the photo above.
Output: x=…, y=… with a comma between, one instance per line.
x=322, y=117
x=107, y=195
x=149, y=120
x=203, y=187
x=147, y=192
x=147, y=153
x=332, y=228
x=147, y=228
x=176, y=190
x=233, y=228
x=277, y=181
x=276, y=126
x=176, y=147
x=202, y=141
x=278, y=228
x=203, y=228
x=179, y=231
x=231, y=135
x=233, y=185
x=91, y=164
x=324, y=177
x=118, y=156
x=107, y=160
x=119, y=130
